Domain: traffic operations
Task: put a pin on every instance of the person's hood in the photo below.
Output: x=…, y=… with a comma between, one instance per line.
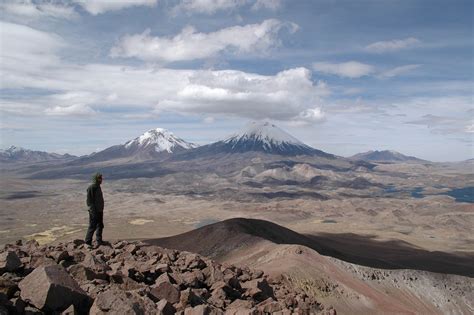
x=95, y=178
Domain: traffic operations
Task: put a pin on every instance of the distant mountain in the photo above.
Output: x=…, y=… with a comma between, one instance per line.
x=17, y=154
x=385, y=156
x=151, y=144
x=260, y=137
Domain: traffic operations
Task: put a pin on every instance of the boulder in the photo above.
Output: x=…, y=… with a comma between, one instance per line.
x=193, y=261
x=9, y=261
x=189, y=298
x=240, y=304
x=269, y=306
x=81, y=273
x=202, y=310
x=50, y=288
x=165, y=290
x=162, y=268
x=258, y=289
x=59, y=255
x=118, y=302
x=165, y=308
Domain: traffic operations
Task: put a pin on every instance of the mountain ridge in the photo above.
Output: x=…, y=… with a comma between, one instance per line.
x=385, y=156
x=18, y=154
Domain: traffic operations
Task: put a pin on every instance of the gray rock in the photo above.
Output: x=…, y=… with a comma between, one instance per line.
x=9, y=261
x=50, y=288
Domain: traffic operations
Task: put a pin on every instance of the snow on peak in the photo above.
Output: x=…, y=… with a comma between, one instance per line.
x=266, y=132
x=162, y=139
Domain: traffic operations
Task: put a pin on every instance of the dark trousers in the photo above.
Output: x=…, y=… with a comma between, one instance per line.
x=96, y=224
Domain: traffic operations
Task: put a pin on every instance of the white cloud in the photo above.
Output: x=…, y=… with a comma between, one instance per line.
x=72, y=110
x=38, y=9
x=209, y=120
x=267, y=4
x=207, y=6
x=190, y=44
x=469, y=128
x=213, y=6
x=311, y=115
x=398, y=71
x=350, y=69
x=393, y=45
x=287, y=95
x=96, y=7
x=25, y=51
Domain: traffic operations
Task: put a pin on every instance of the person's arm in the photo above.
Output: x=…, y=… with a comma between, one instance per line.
x=90, y=198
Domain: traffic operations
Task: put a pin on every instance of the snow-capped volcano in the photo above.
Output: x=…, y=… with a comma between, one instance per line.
x=261, y=137
x=18, y=154
x=265, y=134
x=161, y=140
x=150, y=145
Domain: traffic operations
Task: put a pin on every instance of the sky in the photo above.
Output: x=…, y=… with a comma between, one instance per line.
x=343, y=76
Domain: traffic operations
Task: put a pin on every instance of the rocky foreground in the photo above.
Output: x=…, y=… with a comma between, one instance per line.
x=136, y=278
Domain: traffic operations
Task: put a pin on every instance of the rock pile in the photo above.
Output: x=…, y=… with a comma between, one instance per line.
x=136, y=278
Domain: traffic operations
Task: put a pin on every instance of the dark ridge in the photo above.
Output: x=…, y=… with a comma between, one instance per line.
x=221, y=238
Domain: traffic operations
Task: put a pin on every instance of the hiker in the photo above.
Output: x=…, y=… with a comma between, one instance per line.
x=95, y=203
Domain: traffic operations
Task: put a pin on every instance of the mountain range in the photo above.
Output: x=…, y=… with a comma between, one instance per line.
x=17, y=154
x=160, y=144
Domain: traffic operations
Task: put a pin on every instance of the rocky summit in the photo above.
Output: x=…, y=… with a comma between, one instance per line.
x=135, y=278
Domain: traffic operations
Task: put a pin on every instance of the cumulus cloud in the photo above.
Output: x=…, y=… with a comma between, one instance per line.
x=350, y=69
x=96, y=7
x=393, y=45
x=190, y=44
x=39, y=9
x=398, y=71
x=72, y=110
x=287, y=95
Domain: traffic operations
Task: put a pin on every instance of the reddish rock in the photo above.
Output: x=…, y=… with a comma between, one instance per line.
x=165, y=308
x=193, y=261
x=9, y=261
x=81, y=273
x=59, y=255
x=212, y=274
x=258, y=289
x=162, y=268
x=269, y=306
x=50, y=288
x=165, y=290
x=202, y=310
x=120, y=302
x=189, y=298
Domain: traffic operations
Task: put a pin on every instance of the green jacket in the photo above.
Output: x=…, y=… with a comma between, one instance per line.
x=95, y=199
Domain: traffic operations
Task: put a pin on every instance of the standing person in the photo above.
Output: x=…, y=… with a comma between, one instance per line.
x=95, y=203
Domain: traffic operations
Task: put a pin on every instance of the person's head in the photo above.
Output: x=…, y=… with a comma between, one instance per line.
x=97, y=178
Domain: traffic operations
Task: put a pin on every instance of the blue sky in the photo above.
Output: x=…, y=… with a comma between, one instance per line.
x=342, y=76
